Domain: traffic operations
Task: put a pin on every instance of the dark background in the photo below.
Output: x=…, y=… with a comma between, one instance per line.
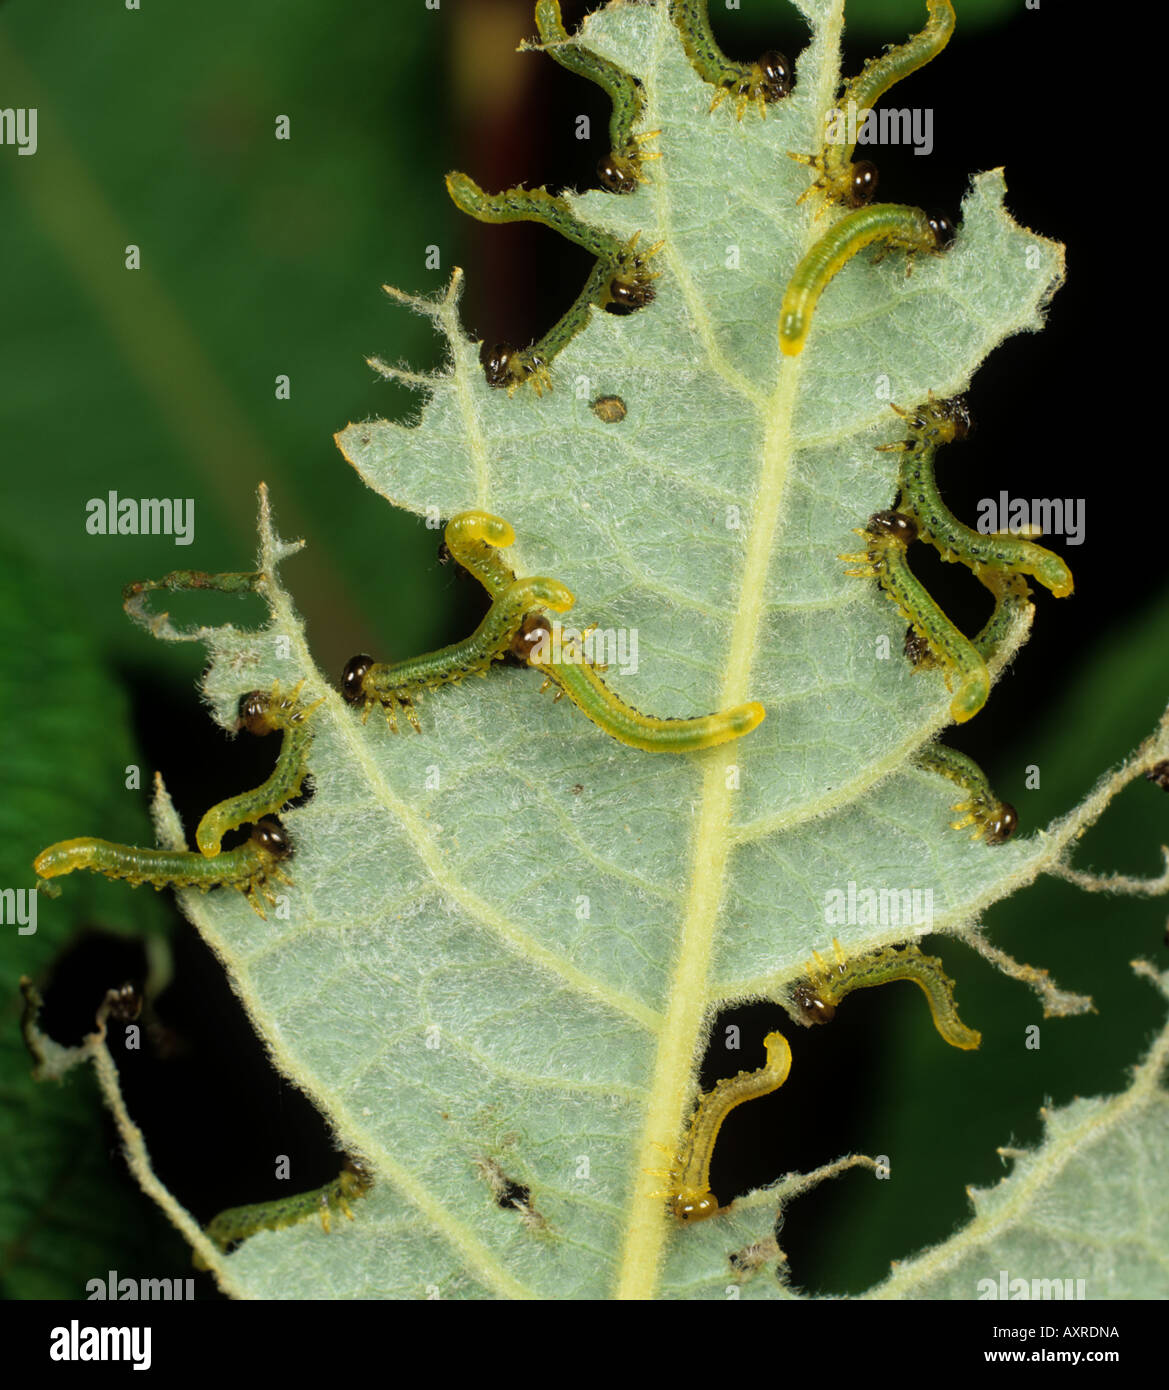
x=263, y=257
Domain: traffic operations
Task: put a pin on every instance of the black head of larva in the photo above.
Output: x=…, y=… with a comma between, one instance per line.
x=270, y=836
x=863, y=184
x=253, y=712
x=896, y=525
x=1003, y=825
x=627, y=295
x=957, y=410
x=813, y=1008
x=496, y=359
x=943, y=229
x=353, y=677
x=534, y=629
x=617, y=173
x=777, y=75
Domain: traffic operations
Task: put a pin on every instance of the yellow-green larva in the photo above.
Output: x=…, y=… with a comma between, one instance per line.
x=238, y=1223
x=993, y=820
x=690, y=1197
x=815, y=999
x=620, y=169
x=930, y=426
x=247, y=868
x=473, y=539
x=395, y=685
x=620, y=280
x=888, y=535
x=908, y=229
x=628, y=283
x=576, y=677
x=767, y=80
x=840, y=180
x=263, y=712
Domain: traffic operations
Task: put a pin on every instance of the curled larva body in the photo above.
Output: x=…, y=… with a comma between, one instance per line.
x=261, y=713
x=937, y=423
x=532, y=205
x=839, y=177
x=767, y=80
x=888, y=534
x=620, y=170
x=908, y=229
x=577, y=678
x=238, y=1223
x=620, y=281
x=690, y=1197
x=818, y=996
x=393, y=684
x=993, y=820
x=475, y=539
x=247, y=868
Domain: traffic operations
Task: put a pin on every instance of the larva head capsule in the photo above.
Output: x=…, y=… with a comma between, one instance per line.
x=353, y=677
x=693, y=1206
x=497, y=359
x=253, y=712
x=1002, y=824
x=776, y=74
x=862, y=185
x=534, y=630
x=942, y=228
x=271, y=837
x=628, y=294
x=617, y=173
x=896, y=525
x=811, y=1006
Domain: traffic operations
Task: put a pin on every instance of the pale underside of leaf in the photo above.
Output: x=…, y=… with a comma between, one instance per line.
x=506, y=938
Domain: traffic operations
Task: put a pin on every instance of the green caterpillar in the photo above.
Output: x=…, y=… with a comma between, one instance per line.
x=619, y=170
x=930, y=426
x=247, y=868
x=993, y=820
x=908, y=229
x=888, y=535
x=261, y=713
x=766, y=81
x=620, y=280
x=474, y=539
x=840, y=180
x=238, y=1223
x=816, y=998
